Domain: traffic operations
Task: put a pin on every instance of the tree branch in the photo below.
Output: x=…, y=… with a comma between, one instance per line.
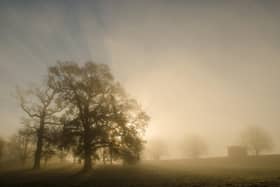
x=32, y=115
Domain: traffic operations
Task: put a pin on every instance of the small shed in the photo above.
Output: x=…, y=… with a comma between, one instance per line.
x=237, y=151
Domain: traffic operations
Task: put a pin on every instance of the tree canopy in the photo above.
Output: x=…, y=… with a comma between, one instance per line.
x=99, y=113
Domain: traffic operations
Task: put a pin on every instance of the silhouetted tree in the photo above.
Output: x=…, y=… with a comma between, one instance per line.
x=99, y=113
x=38, y=104
x=195, y=146
x=256, y=139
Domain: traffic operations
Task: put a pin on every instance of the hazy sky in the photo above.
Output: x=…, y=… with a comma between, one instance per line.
x=198, y=67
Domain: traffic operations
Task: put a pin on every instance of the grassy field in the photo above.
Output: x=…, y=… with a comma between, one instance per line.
x=253, y=172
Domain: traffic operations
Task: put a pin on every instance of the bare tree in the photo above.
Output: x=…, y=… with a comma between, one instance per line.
x=38, y=104
x=195, y=146
x=256, y=139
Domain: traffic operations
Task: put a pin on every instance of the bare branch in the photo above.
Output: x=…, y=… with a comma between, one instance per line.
x=30, y=114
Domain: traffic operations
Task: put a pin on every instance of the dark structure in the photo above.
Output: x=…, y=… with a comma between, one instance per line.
x=237, y=151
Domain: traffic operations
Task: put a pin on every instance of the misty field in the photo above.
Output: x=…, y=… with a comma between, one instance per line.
x=251, y=172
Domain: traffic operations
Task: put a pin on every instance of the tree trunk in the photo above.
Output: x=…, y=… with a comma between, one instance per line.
x=38, y=153
x=24, y=154
x=111, y=155
x=104, y=156
x=39, y=146
x=87, y=162
x=87, y=150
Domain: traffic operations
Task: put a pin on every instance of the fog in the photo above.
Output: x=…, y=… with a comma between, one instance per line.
x=196, y=68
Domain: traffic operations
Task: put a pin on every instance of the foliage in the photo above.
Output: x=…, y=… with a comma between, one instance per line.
x=99, y=113
x=82, y=110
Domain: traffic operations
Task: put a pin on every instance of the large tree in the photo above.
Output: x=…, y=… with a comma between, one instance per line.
x=38, y=104
x=99, y=112
x=256, y=139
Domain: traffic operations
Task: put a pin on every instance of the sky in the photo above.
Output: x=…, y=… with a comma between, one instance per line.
x=197, y=67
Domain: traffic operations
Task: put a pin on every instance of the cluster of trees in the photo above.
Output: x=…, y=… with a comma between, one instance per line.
x=81, y=110
x=255, y=139
x=18, y=148
x=191, y=146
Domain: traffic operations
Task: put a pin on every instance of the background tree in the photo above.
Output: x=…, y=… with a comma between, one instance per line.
x=99, y=113
x=2, y=145
x=38, y=104
x=25, y=144
x=256, y=139
x=62, y=154
x=51, y=145
x=20, y=147
x=156, y=148
x=194, y=146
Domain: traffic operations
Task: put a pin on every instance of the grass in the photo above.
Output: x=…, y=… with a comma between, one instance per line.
x=251, y=172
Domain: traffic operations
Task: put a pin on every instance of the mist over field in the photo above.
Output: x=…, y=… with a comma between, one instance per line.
x=206, y=73
x=198, y=68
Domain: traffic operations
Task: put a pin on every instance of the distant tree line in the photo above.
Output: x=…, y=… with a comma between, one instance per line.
x=80, y=110
x=254, y=139
x=57, y=144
